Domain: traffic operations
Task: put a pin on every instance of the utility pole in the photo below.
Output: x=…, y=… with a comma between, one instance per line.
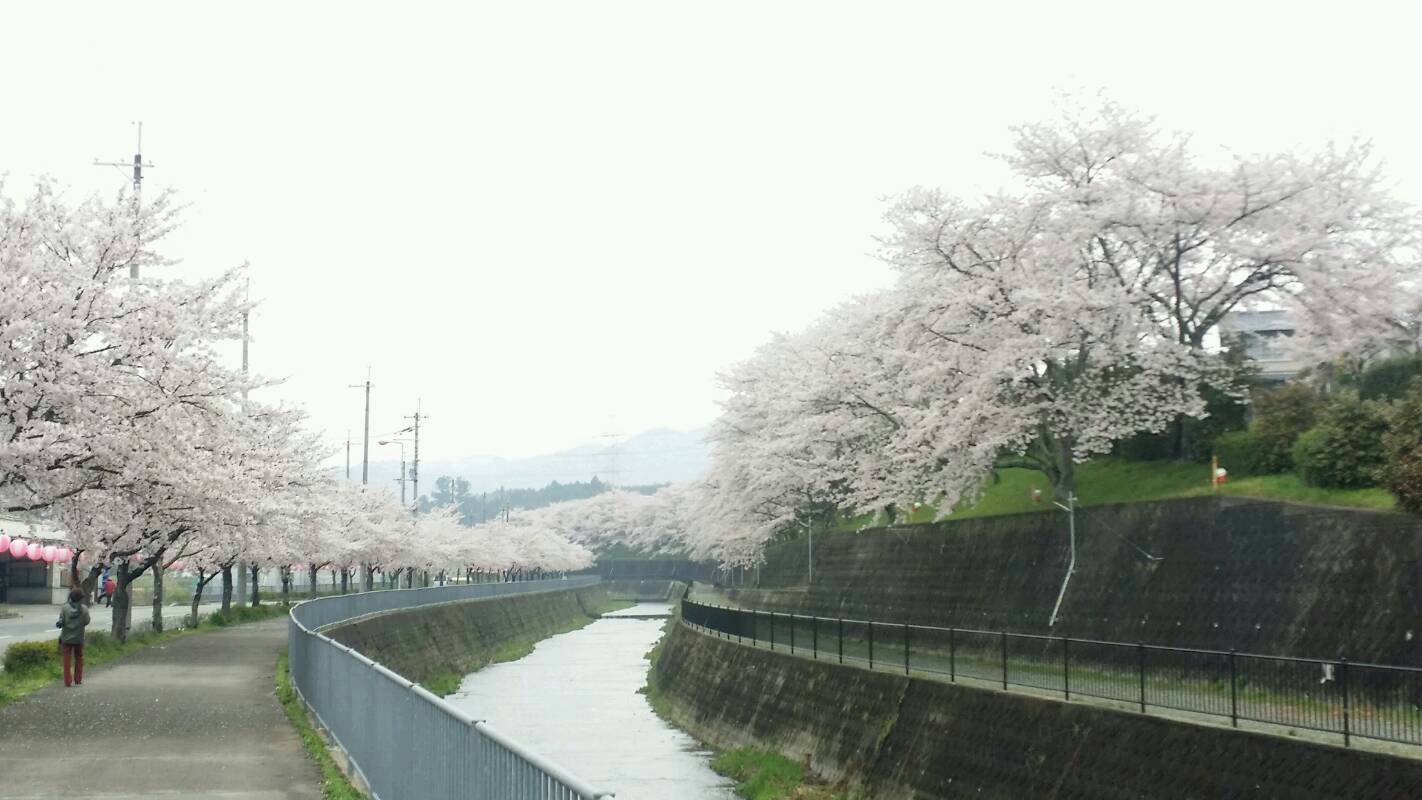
x=365, y=439
x=138, y=166
x=415, y=464
x=348, y=454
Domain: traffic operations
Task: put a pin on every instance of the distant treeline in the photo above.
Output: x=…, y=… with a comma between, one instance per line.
x=484, y=506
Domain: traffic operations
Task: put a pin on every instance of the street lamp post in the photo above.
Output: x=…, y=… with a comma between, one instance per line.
x=401, y=479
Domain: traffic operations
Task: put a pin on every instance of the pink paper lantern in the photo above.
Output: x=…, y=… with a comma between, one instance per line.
x=48, y=553
x=63, y=554
x=34, y=551
x=18, y=547
x=4, y=542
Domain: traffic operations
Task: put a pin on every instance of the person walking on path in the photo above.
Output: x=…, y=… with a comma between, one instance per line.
x=73, y=617
x=109, y=588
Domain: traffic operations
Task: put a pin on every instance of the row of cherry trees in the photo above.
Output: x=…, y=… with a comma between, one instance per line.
x=124, y=423
x=1038, y=326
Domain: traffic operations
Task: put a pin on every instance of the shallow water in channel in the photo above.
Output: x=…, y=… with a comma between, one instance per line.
x=574, y=700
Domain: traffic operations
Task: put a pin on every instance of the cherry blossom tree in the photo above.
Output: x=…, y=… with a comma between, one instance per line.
x=1038, y=326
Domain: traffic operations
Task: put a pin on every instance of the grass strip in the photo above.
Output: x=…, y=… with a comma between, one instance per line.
x=334, y=784
x=1106, y=481
x=763, y=775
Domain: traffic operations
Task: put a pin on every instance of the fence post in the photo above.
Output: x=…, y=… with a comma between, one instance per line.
x=906, y=648
x=739, y=627
x=871, y=645
x=1004, y=661
x=755, y=634
x=772, y=631
x=952, y=656
x=1140, y=670
x=841, y=640
x=792, y=634
x=1233, y=692
x=1343, y=681
x=1066, y=667
x=815, y=637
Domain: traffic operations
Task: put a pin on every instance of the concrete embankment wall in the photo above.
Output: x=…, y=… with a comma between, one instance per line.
x=1256, y=576
x=887, y=736
x=645, y=590
x=461, y=637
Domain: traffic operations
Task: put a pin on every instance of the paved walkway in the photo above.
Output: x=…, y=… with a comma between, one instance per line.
x=193, y=717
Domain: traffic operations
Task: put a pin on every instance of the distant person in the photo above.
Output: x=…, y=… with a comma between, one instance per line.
x=73, y=617
x=109, y=588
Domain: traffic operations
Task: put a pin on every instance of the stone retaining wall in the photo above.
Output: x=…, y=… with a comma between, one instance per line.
x=890, y=737
x=1257, y=576
x=462, y=637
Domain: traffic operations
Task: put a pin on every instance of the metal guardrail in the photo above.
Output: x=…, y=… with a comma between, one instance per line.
x=1373, y=701
x=405, y=743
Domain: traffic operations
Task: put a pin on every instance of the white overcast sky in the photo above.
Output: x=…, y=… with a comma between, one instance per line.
x=556, y=221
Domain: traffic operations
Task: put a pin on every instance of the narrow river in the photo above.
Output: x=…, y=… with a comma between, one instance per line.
x=574, y=699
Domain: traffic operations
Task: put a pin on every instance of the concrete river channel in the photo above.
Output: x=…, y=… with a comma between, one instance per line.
x=575, y=700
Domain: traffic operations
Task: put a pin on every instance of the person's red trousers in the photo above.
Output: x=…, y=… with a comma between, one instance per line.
x=78, y=650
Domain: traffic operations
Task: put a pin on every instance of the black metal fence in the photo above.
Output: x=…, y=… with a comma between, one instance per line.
x=1335, y=696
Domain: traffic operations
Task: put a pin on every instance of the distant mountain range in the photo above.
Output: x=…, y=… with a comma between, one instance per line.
x=660, y=455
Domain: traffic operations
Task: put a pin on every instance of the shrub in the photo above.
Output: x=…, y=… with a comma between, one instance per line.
x=1345, y=449
x=1401, y=472
x=30, y=656
x=1238, y=452
x=1280, y=415
x=1389, y=379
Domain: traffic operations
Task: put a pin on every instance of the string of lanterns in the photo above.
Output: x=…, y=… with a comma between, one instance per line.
x=34, y=551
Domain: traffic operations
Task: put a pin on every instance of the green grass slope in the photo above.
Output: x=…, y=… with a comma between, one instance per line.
x=1107, y=480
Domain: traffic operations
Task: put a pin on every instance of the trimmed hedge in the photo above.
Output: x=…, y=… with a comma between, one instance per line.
x=31, y=656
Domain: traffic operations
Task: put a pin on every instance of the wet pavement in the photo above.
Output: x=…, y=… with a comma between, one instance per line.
x=191, y=717
x=575, y=700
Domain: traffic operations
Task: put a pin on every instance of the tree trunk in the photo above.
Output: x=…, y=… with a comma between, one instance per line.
x=121, y=603
x=367, y=578
x=256, y=589
x=285, y=585
x=241, y=583
x=1065, y=484
x=158, y=595
x=345, y=580
x=226, y=588
x=311, y=570
x=204, y=578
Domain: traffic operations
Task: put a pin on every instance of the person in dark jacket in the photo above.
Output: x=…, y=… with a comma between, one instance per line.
x=73, y=618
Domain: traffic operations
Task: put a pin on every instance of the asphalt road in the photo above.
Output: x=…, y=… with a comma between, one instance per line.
x=196, y=716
